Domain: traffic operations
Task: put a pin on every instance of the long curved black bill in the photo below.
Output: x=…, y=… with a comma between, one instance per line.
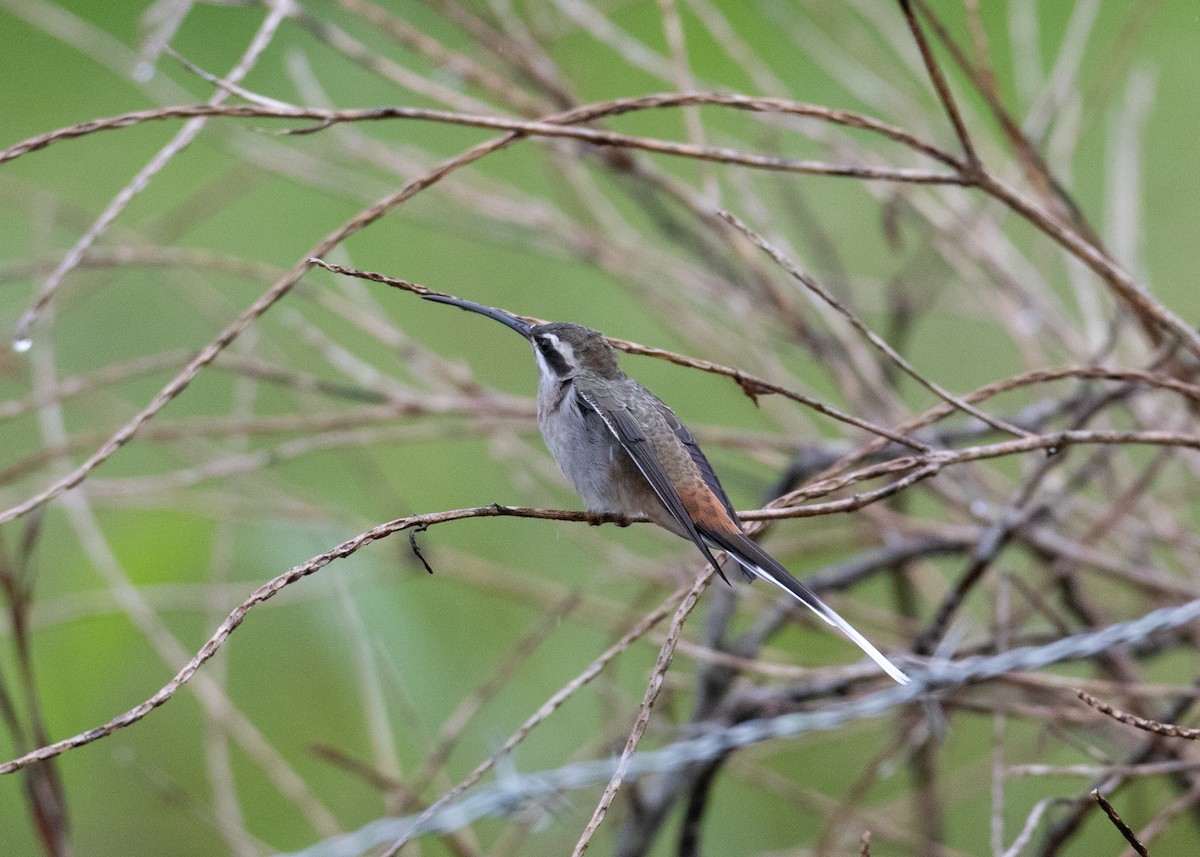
x=521, y=327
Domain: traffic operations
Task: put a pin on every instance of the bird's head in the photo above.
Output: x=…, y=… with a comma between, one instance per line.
x=562, y=350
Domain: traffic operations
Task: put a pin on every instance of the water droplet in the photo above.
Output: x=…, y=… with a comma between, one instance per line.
x=143, y=71
x=22, y=345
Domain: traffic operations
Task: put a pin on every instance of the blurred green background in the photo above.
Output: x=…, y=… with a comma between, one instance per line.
x=371, y=655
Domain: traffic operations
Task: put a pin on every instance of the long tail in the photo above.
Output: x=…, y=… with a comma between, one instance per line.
x=761, y=564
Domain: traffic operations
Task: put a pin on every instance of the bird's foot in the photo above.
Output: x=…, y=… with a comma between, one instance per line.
x=595, y=519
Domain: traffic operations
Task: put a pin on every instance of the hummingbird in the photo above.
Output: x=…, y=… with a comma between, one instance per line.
x=628, y=454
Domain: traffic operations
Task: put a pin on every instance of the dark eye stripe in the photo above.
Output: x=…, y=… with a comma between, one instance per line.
x=554, y=359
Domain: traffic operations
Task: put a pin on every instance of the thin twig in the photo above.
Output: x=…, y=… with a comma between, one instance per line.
x=657, y=676
x=752, y=385
x=1170, y=730
x=871, y=336
x=1119, y=824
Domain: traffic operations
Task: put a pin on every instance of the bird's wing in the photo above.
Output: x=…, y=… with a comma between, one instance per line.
x=713, y=521
x=689, y=441
x=618, y=419
x=760, y=563
x=706, y=470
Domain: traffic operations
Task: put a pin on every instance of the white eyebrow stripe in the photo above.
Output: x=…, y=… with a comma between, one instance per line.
x=562, y=348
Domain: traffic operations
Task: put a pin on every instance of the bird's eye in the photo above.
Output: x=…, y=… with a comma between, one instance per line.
x=554, y=354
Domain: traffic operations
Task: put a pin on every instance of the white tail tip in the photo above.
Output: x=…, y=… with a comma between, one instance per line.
x=831, y=616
